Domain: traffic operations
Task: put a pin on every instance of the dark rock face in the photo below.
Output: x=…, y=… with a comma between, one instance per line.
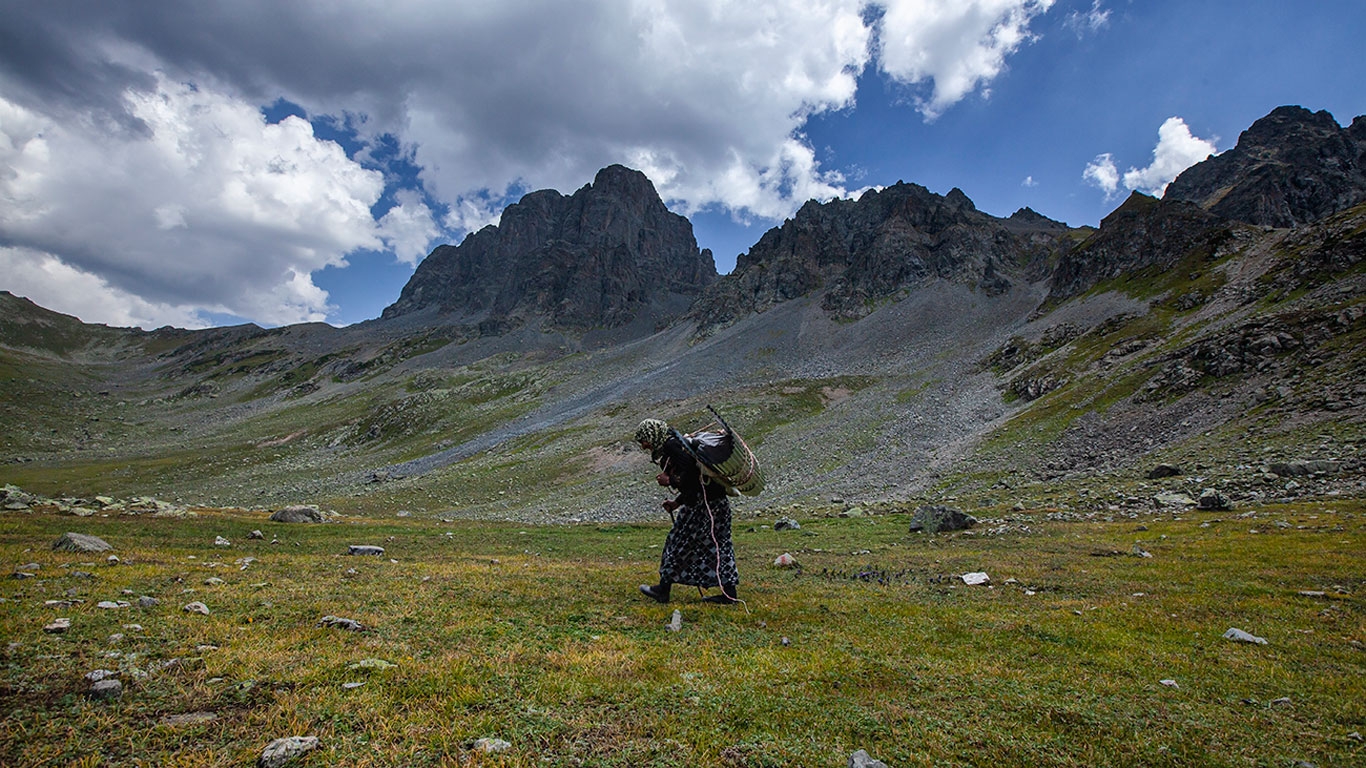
x=861, y=251
x=602, y=257
x=1291, y=167
x=1143, y=232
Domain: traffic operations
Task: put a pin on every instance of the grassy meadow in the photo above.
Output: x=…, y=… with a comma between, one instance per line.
x=536, y=635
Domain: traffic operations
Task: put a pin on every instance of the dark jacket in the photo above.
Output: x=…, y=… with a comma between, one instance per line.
x=684, y=474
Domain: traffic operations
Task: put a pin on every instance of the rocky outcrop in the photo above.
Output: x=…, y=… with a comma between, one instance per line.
x=604, y=257
x=1143, y=232
x=1289, y=168
x=862, y=251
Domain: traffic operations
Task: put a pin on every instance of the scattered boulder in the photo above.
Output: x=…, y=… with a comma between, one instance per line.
x=196, y=607
x=107, y=690
x=364, y=549
x=107, y=604
x=785, y=560
x=58, y=626
x=350, y=625
x=786, y=524
x=934, y=518
x=298, y=513
x=282, y=751
x=1163, y=470
x=1239, y=636
x=676, y=623
x=861, y=759
x=1302, y=468
x=256, y=535
x=219, y=541
x=80, y=542
x=147, y=602
x=976, y=578
x=1173, y=499
x=1213, y=501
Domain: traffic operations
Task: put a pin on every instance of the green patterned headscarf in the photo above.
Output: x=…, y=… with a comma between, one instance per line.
x=652, y=431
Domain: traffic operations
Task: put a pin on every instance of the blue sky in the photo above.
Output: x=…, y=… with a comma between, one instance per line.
x=281, y=163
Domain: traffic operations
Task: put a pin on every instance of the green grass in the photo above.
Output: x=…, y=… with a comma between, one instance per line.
x=536, y=635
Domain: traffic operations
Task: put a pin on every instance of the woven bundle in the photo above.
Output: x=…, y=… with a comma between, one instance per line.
x=725, y=456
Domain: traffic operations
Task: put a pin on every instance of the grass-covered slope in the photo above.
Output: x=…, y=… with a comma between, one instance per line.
x=1082, y=651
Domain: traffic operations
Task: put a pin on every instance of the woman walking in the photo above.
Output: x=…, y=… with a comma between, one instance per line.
x=698, y=551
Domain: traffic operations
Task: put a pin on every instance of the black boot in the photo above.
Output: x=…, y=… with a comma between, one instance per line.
x=727, y=596
x=658, y=593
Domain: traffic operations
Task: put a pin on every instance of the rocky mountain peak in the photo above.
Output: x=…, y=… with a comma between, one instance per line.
x=608, y=256
x=859, y=251
x=1289, y=168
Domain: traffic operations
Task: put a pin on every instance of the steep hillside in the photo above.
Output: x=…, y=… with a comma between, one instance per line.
x=899, y=348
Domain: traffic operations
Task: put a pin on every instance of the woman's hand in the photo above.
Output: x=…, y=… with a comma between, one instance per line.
x=663, y=478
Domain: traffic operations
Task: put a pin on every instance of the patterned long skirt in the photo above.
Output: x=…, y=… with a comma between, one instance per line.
x=701, y=532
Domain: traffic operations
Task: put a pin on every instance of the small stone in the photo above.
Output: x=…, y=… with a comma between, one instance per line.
x=1170, y=683
x=106, y=690
x=785, y=641
x=112, y=560
x=116, y=637
x=351, y=625
x=256, y=535
x=22, y=575
x=281, y=751
x=196, y=607
x=976, y=579
x=1239, y=636
x=491, y=746
x=786, y=524
x=107, y=604
x=364, y=549
x=676, y=623
x=96, y=675
x=1283, y=701
x=861, y=759
x=147, y=602
x=219, y=541
x=785, y=560
x=189, y=718
x=351, y=686
x=372, y=664
x=30, y=567
x=213, y=581
x=58, y=626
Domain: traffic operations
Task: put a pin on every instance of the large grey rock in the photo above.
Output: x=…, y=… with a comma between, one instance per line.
x=1212, y=500
x=298, y=513
x=934, y=518
x=80, y=542
x=281, y=751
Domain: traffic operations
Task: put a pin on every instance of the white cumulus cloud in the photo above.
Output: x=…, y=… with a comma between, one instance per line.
x=133, y=147
x=1177, y=149
x=208, y=207
x=960, y=46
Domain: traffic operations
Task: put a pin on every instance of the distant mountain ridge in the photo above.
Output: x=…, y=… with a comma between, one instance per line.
x=901, y=346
